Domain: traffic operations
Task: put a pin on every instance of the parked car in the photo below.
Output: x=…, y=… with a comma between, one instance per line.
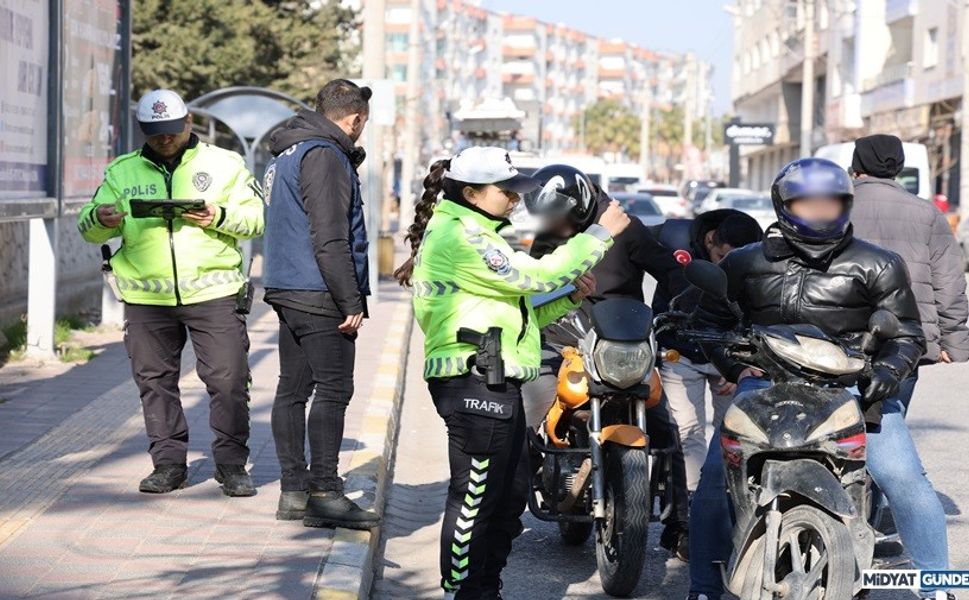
x=695, y=190
x=668, y=198
x=713, y=199
x=641, y=206
x=758, y=206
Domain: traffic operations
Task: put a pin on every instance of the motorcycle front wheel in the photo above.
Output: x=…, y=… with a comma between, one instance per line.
x=814, y=556
x=622, y=535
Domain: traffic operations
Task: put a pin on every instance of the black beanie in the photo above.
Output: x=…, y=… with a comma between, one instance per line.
x=738, y=230
x=879, y=156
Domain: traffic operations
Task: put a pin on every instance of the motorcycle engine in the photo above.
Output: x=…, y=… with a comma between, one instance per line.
x=569, y=465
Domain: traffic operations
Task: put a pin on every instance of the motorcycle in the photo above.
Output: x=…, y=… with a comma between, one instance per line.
x=794, y=454
x=593, y=447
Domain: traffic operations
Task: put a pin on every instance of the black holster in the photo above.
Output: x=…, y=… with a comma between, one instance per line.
x=487, y=359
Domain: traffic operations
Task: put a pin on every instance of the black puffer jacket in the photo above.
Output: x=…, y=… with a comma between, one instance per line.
x=835, y=288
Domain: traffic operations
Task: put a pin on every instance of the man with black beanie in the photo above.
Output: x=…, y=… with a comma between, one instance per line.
x=886, y=214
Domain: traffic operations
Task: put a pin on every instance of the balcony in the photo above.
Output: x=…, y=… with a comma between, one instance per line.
x=889, y=75
x=892, y=89
x=900, y=9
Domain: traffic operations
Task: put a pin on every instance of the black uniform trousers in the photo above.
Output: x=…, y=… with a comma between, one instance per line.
x=487, y=493
x=154, y=337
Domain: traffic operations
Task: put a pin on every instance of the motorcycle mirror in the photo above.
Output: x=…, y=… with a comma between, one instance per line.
x=707, y=277
x=883, y=324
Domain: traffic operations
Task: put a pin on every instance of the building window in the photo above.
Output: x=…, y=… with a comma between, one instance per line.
x=930, y=52
x=398, y=72
x=397, y=42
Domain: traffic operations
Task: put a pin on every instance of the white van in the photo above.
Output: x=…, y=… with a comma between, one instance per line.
x=623, y=177
x=915, y=176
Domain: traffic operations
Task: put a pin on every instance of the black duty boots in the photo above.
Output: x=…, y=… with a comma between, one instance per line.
x=235, y=480
x=333, y=509
x=292, y=505
x=164, y=479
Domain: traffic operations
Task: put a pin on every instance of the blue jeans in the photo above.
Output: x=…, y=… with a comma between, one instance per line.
x=894, y=464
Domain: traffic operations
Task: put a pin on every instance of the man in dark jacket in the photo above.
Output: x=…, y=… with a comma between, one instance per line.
x=710, y=236
x=316, y=279
x=889, y=216
x=635, y=252
x=810, y=269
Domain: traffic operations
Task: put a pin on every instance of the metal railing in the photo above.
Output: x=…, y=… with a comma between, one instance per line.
x=890, y=74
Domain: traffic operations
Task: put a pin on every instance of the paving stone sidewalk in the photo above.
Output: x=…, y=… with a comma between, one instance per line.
x=73, y=525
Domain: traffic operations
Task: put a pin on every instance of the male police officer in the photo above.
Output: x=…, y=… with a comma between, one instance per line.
x=180, y=277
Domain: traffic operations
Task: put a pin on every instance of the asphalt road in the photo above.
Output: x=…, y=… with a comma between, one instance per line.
x=542, y=568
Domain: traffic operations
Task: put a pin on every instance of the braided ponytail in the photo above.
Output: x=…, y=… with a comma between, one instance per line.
x=433, y=185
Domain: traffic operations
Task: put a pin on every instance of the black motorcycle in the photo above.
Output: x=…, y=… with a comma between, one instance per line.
x=794, y=454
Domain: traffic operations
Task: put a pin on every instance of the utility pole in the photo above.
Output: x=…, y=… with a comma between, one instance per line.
x=645, y=152
x=374, y=69
x=964, y=119
x=412, y=141
x=708, y=135
x=688, y=105
x=807, y=80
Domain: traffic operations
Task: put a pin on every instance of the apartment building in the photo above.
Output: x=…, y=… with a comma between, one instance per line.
x=881, y=66
x=551, y=72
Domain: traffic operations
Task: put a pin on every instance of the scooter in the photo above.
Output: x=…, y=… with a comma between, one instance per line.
x=595, y=453
x=794, y=454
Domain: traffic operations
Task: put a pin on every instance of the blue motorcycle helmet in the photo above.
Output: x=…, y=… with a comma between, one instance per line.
x=812, y=178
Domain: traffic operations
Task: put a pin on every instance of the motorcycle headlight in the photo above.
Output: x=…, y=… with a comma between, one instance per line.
x=817, y=355
x=845, y=416
x=623, y=364
x=738, y=422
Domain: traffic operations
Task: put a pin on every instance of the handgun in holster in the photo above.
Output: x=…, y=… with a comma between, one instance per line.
x=108, y=272
x=245, y=294
x=488, y=357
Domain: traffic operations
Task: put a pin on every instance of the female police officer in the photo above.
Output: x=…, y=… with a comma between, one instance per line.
x=471, y=299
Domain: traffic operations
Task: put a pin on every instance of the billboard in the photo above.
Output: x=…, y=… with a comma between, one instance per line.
x=92, y=105
x=24, y=61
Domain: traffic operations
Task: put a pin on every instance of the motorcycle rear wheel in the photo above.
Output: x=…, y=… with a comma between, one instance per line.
x=621, y=538
x=822, y=543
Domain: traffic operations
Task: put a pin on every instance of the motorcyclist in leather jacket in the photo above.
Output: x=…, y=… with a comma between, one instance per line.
x=810, y=269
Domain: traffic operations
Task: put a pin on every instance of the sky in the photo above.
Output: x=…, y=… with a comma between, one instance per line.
x=673, y=25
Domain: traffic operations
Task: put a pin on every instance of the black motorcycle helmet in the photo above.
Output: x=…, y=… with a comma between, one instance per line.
x=565, y=192
x=806, y=178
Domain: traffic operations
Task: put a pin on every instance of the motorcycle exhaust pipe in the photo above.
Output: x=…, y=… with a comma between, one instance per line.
x=579, y=485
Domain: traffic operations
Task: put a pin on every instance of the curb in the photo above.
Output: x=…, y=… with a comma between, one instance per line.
x=348, y=571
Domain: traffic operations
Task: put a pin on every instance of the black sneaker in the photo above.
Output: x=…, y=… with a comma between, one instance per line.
x=292, y=505
x=333, y=509
x=235, y=481
x=164, y=479
x=676, y=540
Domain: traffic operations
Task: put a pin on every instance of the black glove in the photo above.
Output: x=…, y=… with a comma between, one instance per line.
x=882, y=384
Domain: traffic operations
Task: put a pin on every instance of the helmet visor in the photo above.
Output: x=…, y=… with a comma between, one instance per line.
x=548, y=202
